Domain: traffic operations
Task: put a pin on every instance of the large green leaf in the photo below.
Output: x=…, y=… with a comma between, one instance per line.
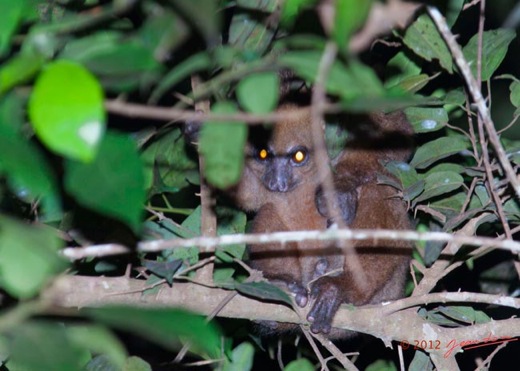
x=27, y=172
x=439, y=183
x=66, y=110
x=28, y=257
x=291, y=9
x=12, y=12
x=222, y=145
x=164, y=326
x=258, y=93
x=302, y=364
x=248, y=31
x=426, y=119
x=438, y=149
x=120, y=65
x=39, y=345
x=494, y=49
x=349, y=16
x=424, y=39
x=113, y=183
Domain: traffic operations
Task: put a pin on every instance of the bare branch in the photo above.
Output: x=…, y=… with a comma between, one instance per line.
x=473, y=87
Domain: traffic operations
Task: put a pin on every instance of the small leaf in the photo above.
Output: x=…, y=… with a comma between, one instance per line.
x=164, y=326
x=426, y=120
x=19, y=69
x=302, y=364
x=403, y=172
x=113, y=183
x=28, y=257
x=291, y=9
x=494, y=48
x=424, y=39
x=258, y=93
x=264, y=290
x=438, y=149
x=440, y=183
x=349, y=16
x=514, y=88
x=420, y=362
x=68, y=118
x=165, y=269
x=222, y=145
x=381, y=365
x=241, y=358
x=195, y=63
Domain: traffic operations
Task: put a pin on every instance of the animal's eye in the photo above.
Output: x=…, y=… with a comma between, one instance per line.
x=263, y=154
x=299, y=156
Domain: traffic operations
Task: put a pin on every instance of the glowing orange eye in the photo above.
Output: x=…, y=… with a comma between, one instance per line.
x=299, y=156
x=262, y=155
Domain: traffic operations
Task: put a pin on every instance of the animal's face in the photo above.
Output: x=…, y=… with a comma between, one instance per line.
x=283, y=158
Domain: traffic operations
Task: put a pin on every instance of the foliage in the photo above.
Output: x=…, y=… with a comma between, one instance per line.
x=75, y=172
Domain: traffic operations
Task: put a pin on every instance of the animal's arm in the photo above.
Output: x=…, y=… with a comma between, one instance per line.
x=383, y=262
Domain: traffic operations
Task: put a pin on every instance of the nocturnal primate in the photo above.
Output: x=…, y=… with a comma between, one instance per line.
x=280, y=184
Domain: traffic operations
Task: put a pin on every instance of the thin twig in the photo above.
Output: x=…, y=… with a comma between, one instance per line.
x=206, y=243
x=314, y=348
x=318, y=100
x=474, y=89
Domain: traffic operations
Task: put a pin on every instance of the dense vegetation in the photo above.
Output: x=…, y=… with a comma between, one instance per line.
x=101, y=200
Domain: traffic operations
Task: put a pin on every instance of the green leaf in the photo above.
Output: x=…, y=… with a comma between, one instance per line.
x=165, y=269
x=494, y=48
x=354, y=81
x=98, y=340
x=349, y=16
x=120, y=65
x=420, y=362
x=514, y=88
x=163, y=31
x=381, y=365
x=291, y=9
x=167, y=158
x=68, y=118
x=164, y=326
x=302, y=364
x=438, y=149
x=440, y=183
x=222, y=145
x=241, y=358
x=249, y=31
x=403, y=172
x=28, y=257
x=258, y=93
x=193, y=64
x=425, y=41
x=464, y=314
x=19, y=69
x=27, y=172
x=206, y=15
x=113, y=183
x=425, y=120
x=38, y=345
x=136, y=364
x=264, y=290
x=12, y=13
